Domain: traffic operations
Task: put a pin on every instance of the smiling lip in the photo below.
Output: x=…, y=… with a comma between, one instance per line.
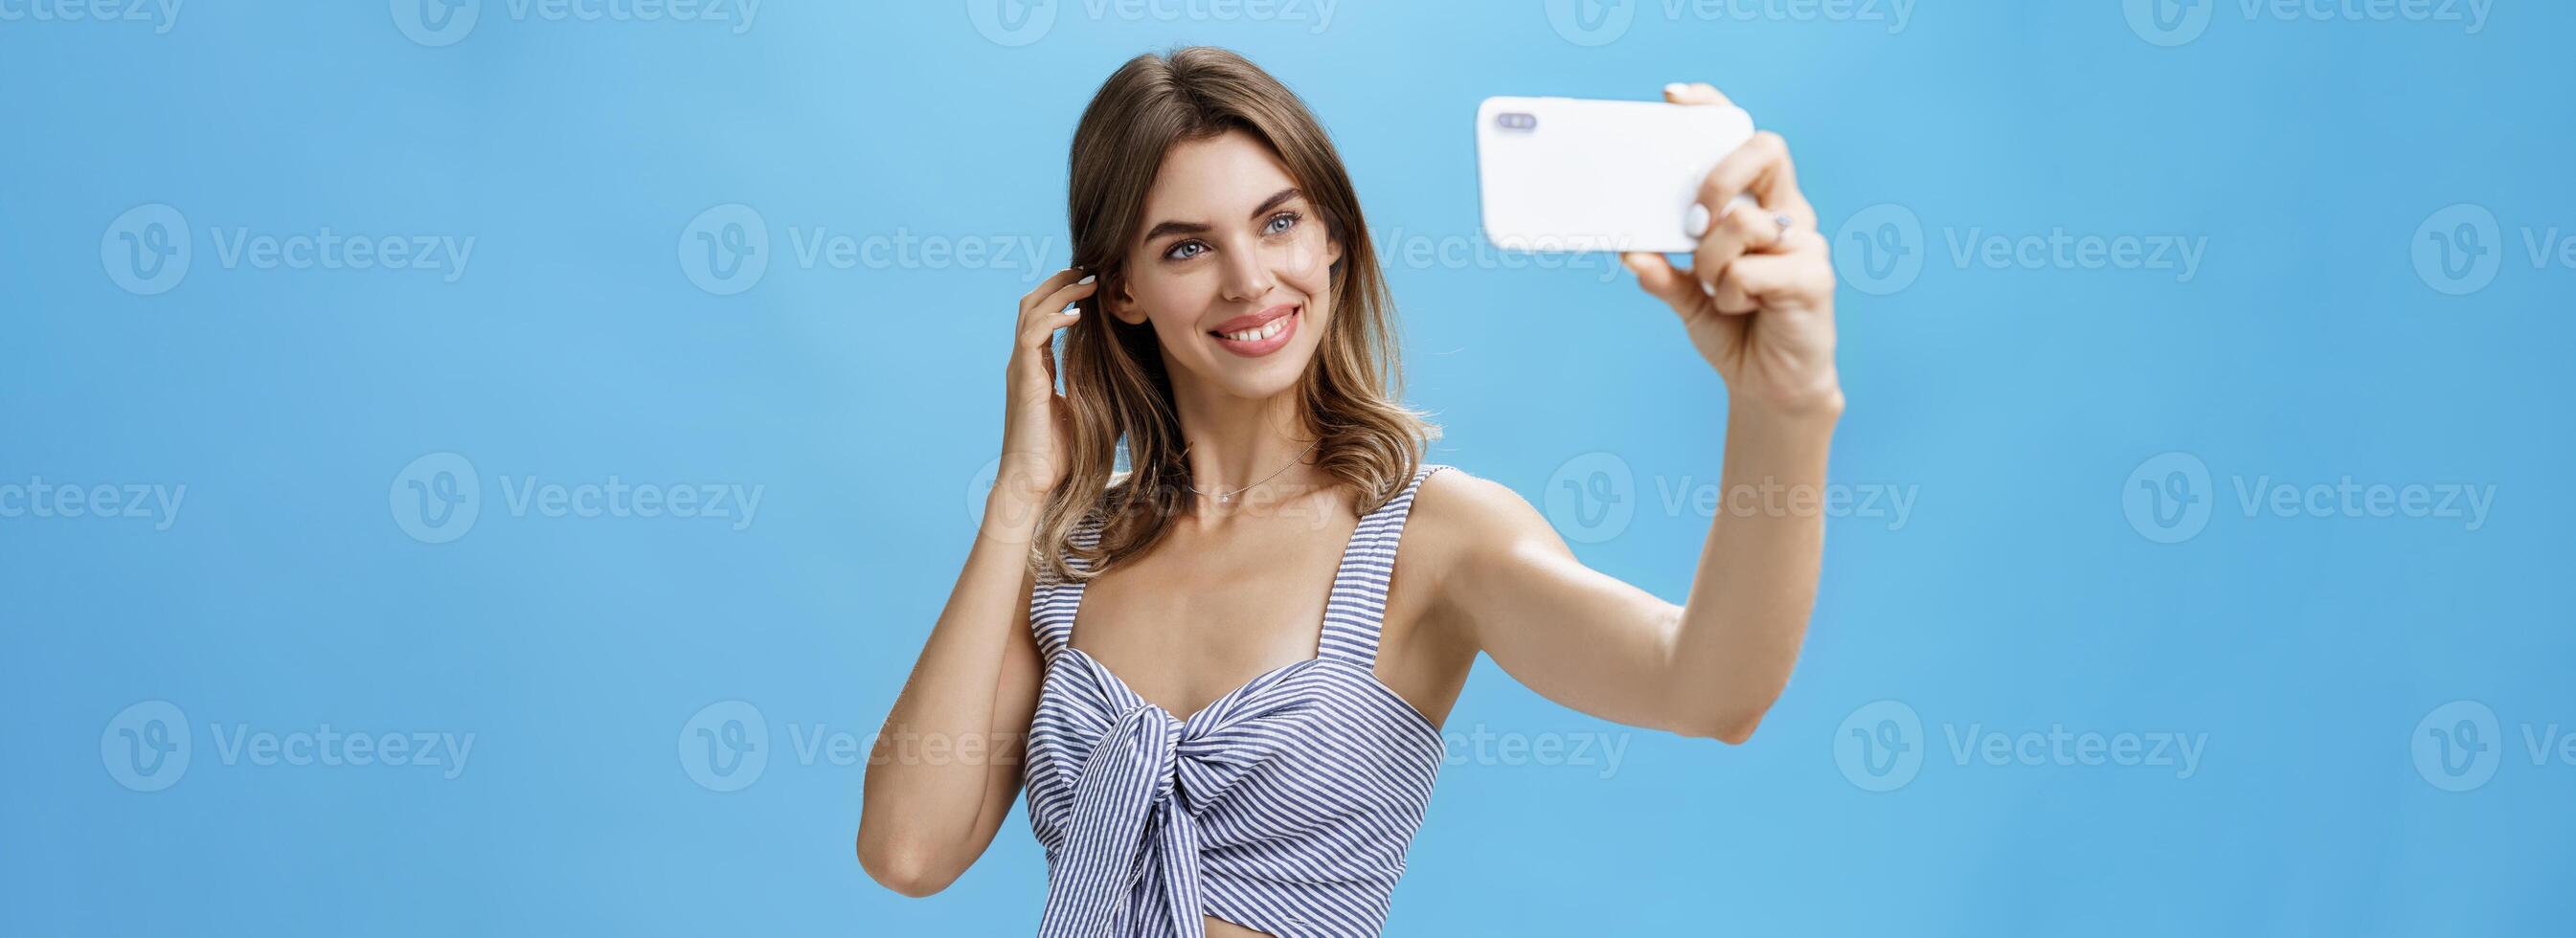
x=1256, y=348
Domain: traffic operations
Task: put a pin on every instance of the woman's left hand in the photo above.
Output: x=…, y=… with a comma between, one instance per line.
x=1758, y=299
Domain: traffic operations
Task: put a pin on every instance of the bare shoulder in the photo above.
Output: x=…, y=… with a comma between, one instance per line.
x=1461, y=519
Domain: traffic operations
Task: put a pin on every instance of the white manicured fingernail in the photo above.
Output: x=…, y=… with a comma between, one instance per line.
x=1087, y=278
x=1675, y=89
x=1072, y=309
x=1695, y=223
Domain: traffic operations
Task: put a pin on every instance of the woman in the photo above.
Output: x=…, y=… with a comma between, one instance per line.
x=1213, y=741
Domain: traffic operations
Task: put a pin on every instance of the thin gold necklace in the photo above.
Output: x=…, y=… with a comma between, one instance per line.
x=1227, y=498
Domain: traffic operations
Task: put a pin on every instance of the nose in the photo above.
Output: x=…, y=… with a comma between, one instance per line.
x=1247, y=274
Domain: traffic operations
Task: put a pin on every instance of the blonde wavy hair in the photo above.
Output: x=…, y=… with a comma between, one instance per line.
x=1116, y=386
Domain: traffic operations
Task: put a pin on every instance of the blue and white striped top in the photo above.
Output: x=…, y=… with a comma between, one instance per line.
x=1285, y=806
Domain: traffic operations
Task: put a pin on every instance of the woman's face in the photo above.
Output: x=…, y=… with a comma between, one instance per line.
x=1234, y=269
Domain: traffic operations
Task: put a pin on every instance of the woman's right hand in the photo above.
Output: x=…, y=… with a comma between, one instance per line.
x=1037, y=426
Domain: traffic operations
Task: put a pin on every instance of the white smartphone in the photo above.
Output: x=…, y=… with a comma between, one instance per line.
x=1571, y=174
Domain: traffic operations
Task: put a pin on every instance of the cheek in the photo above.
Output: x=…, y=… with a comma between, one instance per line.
x=1165, y=297
x=1307, y=262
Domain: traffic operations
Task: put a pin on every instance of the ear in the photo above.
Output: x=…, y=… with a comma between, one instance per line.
x=1122, y=304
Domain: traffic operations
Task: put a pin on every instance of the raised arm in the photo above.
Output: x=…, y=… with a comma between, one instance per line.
x=1711, y=667
x=1757, y=303
x=946, y=765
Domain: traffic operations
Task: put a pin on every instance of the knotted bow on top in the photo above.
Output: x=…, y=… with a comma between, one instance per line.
x=1130, y=865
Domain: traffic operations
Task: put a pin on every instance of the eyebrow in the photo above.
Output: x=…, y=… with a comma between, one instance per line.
x=1275, y=200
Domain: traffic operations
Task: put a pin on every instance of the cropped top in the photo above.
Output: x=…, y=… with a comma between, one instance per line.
x=1285, y=806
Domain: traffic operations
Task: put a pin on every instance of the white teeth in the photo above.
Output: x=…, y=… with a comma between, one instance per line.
x=1267, y=330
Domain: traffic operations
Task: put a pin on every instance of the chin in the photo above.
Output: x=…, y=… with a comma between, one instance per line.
x=1270, y=377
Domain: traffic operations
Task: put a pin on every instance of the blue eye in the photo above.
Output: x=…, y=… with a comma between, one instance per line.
x=1193, y=248
x=1280, y=223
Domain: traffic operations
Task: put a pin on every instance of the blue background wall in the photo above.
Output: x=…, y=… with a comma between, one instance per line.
x=2074, y=437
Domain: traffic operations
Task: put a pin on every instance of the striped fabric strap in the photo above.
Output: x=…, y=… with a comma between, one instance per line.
x=1357, y=609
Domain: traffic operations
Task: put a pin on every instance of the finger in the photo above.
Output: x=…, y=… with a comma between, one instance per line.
x=1760, y=168
x=1657, y=276
x=1744, y=227
x=1040, y=321
x=1729, y=297
x=1029, y=300
x=1694, y=93
x=1756, y=281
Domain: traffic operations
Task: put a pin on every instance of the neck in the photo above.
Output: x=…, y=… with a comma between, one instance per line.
x=1251, y=451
